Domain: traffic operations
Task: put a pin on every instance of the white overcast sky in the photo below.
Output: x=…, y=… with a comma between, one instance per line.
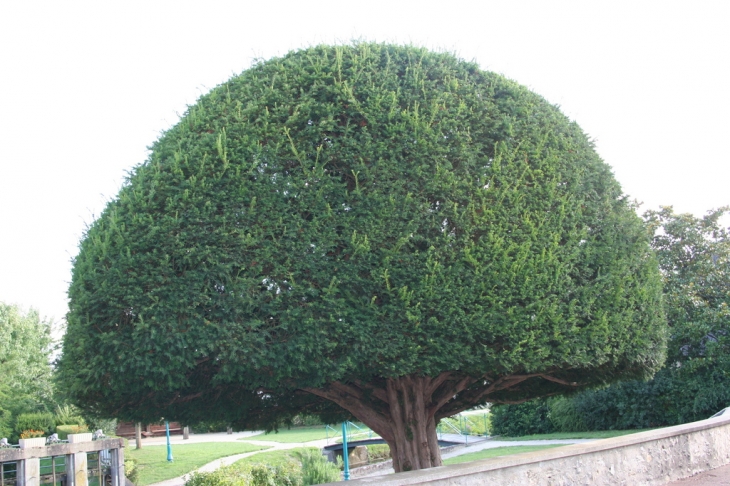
x=85, y=87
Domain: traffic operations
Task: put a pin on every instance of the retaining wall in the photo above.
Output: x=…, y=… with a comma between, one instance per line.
x=651, y=458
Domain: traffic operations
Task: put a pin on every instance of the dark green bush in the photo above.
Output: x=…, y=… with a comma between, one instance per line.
x=131, y=470
x=35, y=421
x=378, y=453
x=306, y=420
x=287, y=474
x=629, y=405
x=316, y=469
x=108, y=426
x=524, y=419
x=565, y=416
x=68, y=415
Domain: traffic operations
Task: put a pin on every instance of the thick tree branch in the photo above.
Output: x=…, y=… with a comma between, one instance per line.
x=378, y=393
x=376, y=419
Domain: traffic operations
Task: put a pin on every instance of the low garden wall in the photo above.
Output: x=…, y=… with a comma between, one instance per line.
x=650, y=458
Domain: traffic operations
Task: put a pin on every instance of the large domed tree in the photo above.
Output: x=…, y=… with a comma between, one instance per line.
x=368, y=230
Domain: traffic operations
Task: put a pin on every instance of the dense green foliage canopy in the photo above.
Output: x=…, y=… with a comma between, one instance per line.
x=25, y=368
x=694, y=257
x=353, y=215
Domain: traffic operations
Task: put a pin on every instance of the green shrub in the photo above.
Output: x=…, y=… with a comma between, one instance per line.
x=632, y=404
x=287, y=474
x=378, y=453
x=306, y=420
x=524, y=419
x=131, y=471
x=316, y=469
x=565, y=416
x=208, y=426
x=108, y=426
x=68, y=415
x=64, y=430
x=221, y=477
x=35, y=421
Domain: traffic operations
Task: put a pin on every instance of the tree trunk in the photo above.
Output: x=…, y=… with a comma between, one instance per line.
x=404, y=410
x=414, y=444
x=403, y=414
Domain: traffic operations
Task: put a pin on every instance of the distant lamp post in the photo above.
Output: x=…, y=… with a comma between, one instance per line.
x=169, y=448
x=345, y=457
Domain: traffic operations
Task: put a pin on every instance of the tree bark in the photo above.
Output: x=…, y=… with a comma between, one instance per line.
x=415, y=445
x=402, y=414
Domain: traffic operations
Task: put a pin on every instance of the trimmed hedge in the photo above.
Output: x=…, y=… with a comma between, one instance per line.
x=35, y=421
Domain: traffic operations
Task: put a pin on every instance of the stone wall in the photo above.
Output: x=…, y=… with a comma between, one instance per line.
x=651, y=458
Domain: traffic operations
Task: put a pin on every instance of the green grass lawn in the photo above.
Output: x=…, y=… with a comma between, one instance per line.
x=153, y=465
x=297, y=434
x=496, y=452
x=598, y=434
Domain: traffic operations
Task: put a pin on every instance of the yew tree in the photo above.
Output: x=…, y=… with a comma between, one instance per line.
x=374, y=231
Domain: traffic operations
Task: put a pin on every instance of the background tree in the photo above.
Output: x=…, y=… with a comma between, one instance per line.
x=694, y=257
x=25, y=369
x=372, y=230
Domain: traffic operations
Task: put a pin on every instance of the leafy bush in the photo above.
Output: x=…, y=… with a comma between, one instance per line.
x=628, y=405
x=524, y=419
x=565, y=416
x=131, y=470
x=108, y=426
x=316, y=469
x=306, y=420
x=287, y=474
x=64, y=430
x=378, y=453
x=221, y=477
x=208, y=426
x=35, y=421
x=68, y=415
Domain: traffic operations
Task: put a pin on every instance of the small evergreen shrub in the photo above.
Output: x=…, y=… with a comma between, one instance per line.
x=306, y=420
x=288, y=474
x=316, y=469
x=524, y=419
x=68, y=415
x=378, y=453
x=108, y=426
x=131, y=470
x=35, y=421
x=565, y=416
